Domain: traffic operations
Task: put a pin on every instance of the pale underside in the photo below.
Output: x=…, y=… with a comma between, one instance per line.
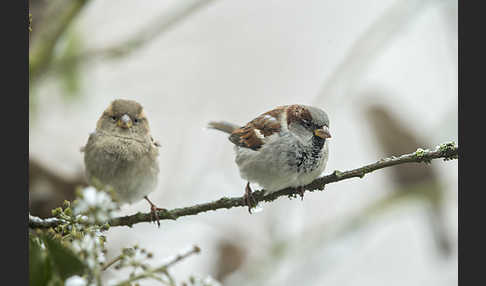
x=132, y=174
x=271, y=166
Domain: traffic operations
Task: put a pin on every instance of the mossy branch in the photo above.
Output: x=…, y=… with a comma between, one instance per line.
x=448, y=151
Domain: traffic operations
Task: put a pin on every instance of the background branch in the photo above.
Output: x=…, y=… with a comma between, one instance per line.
x=41, y=52
x=161, y=24
x=367, y=47
x=163, y=268
x=447, y=151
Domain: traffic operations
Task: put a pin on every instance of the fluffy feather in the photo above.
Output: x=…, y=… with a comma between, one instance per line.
x=280, y=148
x=123, y=158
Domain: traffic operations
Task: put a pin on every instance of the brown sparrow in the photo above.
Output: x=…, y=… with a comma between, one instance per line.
x=122, y=154
x=282, y=148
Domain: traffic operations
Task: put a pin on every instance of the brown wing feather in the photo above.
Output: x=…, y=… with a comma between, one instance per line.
x=266, y=124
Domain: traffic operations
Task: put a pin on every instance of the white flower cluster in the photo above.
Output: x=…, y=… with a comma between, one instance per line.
x=208, y=281
x=91, y=249
x=76, y=281
x=97, y=205
x=135, y=257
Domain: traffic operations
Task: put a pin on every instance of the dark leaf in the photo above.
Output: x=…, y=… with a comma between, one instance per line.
x=65, y=262
x=39, y=265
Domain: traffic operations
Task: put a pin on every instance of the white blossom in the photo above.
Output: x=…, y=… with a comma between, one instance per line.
x=75, y=281
x=207, y=281
x=139, y=256
x=94, y=206
x=211, y=281
x=91, y=248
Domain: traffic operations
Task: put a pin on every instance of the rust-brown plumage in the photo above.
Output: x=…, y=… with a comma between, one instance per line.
x=253, y=133
x=295, y=156
x=296, y=113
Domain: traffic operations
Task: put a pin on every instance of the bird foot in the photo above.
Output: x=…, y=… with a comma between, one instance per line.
x=301, y=191
x=249, y=198
x=154, y=211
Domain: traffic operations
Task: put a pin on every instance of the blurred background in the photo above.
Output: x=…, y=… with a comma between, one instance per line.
x=385, y=71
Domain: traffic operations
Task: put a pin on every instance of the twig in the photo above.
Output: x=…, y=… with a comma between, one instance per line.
x=163, y=268
x=41, y=53
x=370, y=44
x=37, y=222
x=107, y=265
x=316, y=240
x=162, y=23
x=447, y=151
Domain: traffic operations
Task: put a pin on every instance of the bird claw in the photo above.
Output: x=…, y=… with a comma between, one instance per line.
x=154, y=215
x=154, y=211
x=301, y=191
x=249, y=198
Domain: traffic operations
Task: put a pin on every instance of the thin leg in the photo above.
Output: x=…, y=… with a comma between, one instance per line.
x=249, y=199
x=153, y=211
x=301, y=191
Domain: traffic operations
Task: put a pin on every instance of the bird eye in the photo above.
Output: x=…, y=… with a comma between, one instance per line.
x=306, y=123
x=136, y=120
x=113, y=118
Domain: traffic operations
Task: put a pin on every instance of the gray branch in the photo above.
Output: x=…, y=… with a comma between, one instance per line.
x=447, y=151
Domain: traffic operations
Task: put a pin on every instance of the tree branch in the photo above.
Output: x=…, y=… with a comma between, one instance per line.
x=161, y=24
x=40, y=55
x=37, y=222
x=448, y=151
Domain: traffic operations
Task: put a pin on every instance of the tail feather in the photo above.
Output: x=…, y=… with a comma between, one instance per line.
x=223, y=126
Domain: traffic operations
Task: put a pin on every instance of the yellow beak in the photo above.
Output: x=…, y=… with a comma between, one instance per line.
x=322, y=132
x=125, y=121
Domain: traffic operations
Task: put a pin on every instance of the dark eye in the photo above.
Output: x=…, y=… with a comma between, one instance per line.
x=113, y=118
x=306, y=124
x=136, y=120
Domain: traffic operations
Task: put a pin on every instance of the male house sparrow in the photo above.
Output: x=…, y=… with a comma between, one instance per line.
x=281, y=148
x=122, y=154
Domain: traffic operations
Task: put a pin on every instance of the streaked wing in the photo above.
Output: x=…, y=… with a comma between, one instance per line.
x=253, y=135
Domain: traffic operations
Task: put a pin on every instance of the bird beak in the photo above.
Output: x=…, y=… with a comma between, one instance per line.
x=125, y=121
x=322, y=132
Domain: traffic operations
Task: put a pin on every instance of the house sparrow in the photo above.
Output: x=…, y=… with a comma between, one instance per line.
x=122, y=154
x=284, y=147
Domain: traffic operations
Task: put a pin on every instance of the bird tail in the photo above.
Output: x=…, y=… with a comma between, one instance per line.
x=223, y=126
